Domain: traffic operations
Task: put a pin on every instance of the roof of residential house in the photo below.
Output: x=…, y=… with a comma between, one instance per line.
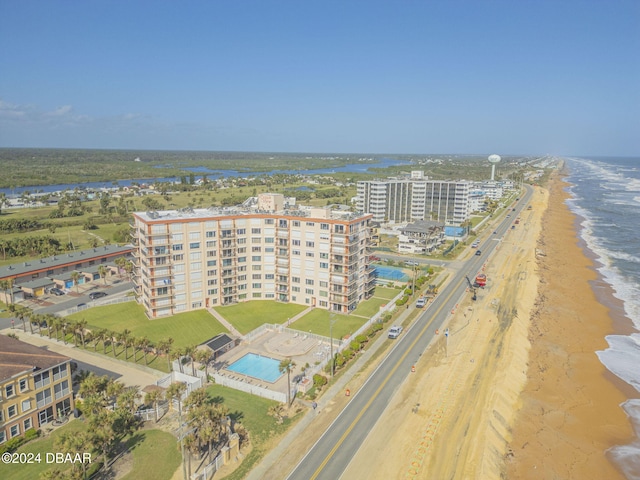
x=18, y=357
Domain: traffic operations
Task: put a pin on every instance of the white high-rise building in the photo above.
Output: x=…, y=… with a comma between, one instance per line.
x=411, y=199
x=190, y=259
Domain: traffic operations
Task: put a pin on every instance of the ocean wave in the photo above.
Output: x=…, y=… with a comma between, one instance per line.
x=609, y=179
x=627, y=457
x=627, y=257
x=625, y=289
x=622, y=356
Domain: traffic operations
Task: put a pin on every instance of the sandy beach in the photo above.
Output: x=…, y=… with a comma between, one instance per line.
x=570, y=410
x=518, y=392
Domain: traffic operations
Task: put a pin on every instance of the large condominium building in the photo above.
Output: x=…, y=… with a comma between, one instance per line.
x=191, y=259
x=411, y=199
x=35, y=387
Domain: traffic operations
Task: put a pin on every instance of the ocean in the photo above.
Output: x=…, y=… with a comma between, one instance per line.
x=605, y=194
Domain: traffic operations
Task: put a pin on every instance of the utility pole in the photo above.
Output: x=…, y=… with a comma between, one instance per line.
x=332, y=320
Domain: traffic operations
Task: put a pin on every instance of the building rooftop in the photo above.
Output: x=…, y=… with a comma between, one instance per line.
x=18, y=357
x=334, y=213
x=18, y=269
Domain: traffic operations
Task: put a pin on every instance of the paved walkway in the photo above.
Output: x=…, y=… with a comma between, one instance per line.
x=224, y=323
x=128, y=373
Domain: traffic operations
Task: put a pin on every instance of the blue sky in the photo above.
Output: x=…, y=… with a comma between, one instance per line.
x=519, y=77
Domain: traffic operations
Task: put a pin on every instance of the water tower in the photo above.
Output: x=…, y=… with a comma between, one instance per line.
x=493, y=159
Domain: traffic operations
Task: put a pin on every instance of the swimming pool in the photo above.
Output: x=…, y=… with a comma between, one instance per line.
x=390, y=273
x=257, y=366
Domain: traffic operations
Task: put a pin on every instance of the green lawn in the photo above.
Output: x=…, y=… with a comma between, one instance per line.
x=370, y=307
x=42, y=446
x=250, y=315
x=317, y=321
x=251, y=411
x=386, y=293
x=190, y=328
x=155, y=455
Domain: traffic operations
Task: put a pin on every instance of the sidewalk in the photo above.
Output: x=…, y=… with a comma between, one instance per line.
x=128, y=373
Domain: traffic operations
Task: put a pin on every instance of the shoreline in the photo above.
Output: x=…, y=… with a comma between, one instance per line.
x=571, y=404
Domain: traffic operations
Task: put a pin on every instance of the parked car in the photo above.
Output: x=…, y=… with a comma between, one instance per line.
x=421, y=302
x=411, y=264
x=96, y=295
x=57, y=292
x=395, y=331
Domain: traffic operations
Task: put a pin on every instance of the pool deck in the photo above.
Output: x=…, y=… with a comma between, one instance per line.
x=301, y=348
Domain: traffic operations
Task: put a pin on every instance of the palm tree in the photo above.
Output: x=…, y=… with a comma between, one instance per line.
x=103, y=271
x=190, y=352
x=190, y=442
x=113, y=337
x=124, y=338
x=144, y=343
x=175, y=391
x=287, y=365
x=75, y=276
x=164, y=346
x=34, y=319
x=120, y=263
x=176, y=354
x=100, y=335
x=127, y=399
x=72, y=443
x=21, y=313
x=154, y=397
x=64, y=325
x=81, y=326
x=104, y=434
x=7, y=284
x=56, y=322
x=203, y=356
x=49, y=319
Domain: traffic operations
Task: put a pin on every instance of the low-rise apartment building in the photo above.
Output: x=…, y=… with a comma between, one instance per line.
x=199, y=258
x=35, y=387
x=31, y=277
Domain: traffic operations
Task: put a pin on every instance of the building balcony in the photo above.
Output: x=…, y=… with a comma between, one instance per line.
x=156, y=273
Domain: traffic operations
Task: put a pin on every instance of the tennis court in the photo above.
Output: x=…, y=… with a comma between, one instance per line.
x=390, y=273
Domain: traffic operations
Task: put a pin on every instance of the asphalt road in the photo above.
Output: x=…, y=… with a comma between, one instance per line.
x=328, y=458
x=65, y=302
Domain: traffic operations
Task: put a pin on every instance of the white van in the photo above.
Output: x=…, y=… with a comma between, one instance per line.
x=395, y=331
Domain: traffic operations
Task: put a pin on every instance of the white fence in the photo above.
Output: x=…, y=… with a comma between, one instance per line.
x=150, y=413
x=210, y=469
x=193, y=383
x=93, y=303
x=253, y=389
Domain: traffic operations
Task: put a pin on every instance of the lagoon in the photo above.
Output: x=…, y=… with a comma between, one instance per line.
x=202, y=171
